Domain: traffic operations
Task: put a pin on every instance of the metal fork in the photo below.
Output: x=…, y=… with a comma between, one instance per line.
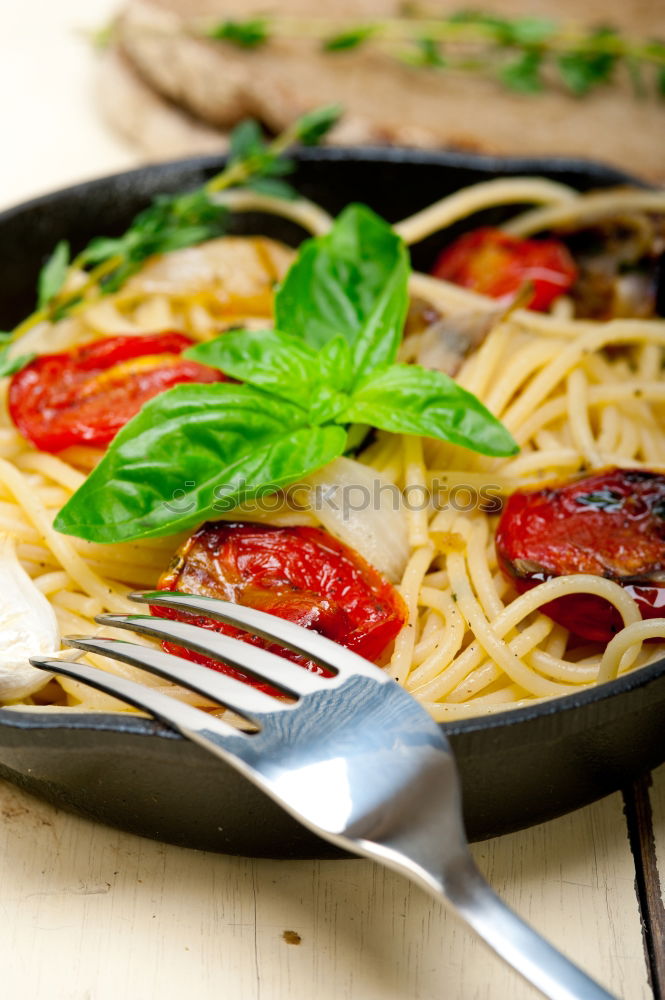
x=353, y=757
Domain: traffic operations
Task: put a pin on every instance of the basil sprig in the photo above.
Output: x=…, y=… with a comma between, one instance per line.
x=197, y=450
x=352, y=282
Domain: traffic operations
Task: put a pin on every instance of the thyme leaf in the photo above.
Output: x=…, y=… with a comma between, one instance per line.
x=523, y=75
x=247, y=34
x=425, y=53
x=514, y=49
x=585, y=68
x=348, y=39
x=170, y=222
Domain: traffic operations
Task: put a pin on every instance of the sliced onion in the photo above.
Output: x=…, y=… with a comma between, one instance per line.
x=237, y=267
x=445, y=344
x=364, y=510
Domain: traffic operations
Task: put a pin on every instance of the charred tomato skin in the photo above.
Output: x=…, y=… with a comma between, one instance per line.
x=86, y=395
x=298, y=573
x=494, y=263
x=610, y=524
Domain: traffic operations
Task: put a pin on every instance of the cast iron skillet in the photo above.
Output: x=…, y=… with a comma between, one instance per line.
x=518, y=768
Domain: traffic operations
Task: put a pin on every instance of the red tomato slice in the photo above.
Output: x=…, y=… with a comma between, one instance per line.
x=611, y=524
x=86, y=395
x=496, y=264
x=301, y=574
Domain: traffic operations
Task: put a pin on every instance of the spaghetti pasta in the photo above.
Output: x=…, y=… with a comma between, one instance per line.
x=576, y=394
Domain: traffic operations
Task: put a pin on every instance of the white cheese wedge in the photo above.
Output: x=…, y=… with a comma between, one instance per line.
x=28, y=627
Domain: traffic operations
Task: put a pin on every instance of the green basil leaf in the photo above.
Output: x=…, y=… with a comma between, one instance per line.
x=331, y=379
x=53, y=274
x=284, y=366
x=335, y=364
x=271, y=360
x=191, y=452
x=407, y=399
x=9, y=366
x=352, y=281
x=357, y=435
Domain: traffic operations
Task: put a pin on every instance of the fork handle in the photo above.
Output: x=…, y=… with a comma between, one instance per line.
x=514, y=940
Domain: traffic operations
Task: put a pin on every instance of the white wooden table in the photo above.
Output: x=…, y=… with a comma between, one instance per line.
x=89, y=913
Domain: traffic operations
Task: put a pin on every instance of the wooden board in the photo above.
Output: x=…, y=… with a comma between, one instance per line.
x=649, y=848
x=89, y=912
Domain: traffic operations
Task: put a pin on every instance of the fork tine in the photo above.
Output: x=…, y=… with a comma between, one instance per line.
x=234, y=694
x=261, y=663
x=177, y=714
x=301, y=640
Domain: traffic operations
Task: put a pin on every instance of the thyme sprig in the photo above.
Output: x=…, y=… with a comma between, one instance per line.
x=170, y=222
x=521, y=52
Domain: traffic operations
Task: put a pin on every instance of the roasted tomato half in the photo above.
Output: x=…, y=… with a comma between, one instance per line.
x=86, y=395
x=496, y=264
x=301, y=574
x=611, y=524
